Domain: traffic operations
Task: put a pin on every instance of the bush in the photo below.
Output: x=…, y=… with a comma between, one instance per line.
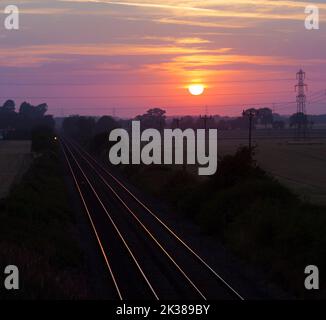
x=39, y=236
x=283, y=239
x=235, y=168
x=252, y=213
x=42, y=139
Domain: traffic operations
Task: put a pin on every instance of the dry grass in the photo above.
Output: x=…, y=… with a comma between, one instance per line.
x=39, y=235
x=15, y=158
x=300, y=167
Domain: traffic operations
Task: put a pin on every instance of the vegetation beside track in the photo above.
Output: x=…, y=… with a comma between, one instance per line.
x=39, y=234
x=250, y=212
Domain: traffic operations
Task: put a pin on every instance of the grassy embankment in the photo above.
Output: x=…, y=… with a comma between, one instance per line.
x=253, y=214
x=38, y=234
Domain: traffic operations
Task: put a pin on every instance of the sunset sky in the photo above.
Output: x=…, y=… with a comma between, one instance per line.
x=99, y=57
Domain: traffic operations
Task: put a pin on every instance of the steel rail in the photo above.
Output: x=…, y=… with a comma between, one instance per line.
x=192, y=251
x=92, y=224
x=114, y=225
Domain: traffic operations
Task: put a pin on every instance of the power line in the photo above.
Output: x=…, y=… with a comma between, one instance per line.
x=261, y=104
x=149, y=83
x=140, y=96
x=318, y=94
x=185, y=107
x=213, y=109
x=133, y=83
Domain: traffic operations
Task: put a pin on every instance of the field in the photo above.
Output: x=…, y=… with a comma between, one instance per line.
x=253, y=215
x=15, y=158
x=298, y=166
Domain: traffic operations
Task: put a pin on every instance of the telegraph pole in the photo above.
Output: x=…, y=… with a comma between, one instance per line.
x=301, y=88
x=161, y=126
x=250, y=113
x=184, y=165
x=177, y=122
x=205, y=119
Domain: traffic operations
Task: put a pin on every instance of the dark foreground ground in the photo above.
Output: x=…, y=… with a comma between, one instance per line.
x=46, y=233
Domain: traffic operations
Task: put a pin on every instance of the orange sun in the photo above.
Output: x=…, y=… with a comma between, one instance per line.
x=196, y=89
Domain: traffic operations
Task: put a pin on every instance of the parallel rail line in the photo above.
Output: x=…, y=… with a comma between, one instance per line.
x=96, y=167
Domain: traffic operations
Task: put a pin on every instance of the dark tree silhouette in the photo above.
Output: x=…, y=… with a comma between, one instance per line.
x=187, y=122
x=7, y=115
x=154, y=118
x=20, y=125
x=299, y=120
x=100, y=141
x=105, y=124
x=265, y=116
x=278, y=125
x=42, y=138
x=79, y=128
x=32, y=112
x=9, y=106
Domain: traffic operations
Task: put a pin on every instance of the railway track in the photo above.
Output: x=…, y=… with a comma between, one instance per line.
x=144, y=257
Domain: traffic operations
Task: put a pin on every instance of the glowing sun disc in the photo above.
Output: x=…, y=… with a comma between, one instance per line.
x=196, y=89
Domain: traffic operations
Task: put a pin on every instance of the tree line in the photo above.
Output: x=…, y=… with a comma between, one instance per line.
x=19, y=124
x=85, y=129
